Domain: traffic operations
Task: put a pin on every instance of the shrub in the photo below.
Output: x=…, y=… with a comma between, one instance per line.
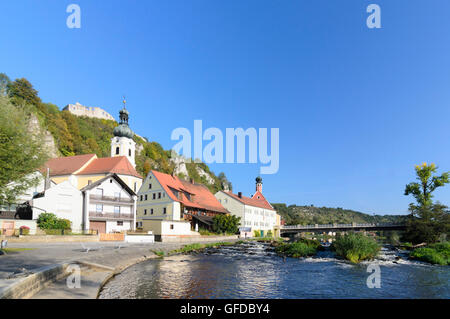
x=226, y=224
x=50, y=221
x=438, y=253
x=297, y=249
x=269, y=233
x=355, y=247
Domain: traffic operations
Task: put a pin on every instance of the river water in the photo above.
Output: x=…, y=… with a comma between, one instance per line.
x=253, y=270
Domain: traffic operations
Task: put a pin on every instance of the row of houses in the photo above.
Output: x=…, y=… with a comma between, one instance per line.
x=108, y=195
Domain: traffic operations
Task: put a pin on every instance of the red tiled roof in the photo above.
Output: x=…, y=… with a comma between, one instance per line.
x=67, y=165
x=75, y=165
x=117, y=164
x=201, y=197
x=252, y=201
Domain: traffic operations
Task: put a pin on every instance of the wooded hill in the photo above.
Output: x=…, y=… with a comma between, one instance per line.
x=310, y=215
x=75, y=135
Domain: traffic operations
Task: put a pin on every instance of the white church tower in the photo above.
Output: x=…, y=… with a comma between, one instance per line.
x=122, y=143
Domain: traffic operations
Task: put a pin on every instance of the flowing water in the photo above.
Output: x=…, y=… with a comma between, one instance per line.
x=253, y=270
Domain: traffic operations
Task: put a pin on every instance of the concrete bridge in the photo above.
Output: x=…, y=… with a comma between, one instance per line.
x=339, y=227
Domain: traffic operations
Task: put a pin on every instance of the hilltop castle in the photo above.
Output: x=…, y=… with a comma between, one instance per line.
x=81, y=110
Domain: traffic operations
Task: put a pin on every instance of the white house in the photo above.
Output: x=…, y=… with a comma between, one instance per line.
x=109, y=205
x=64, y=200
x=255, y=212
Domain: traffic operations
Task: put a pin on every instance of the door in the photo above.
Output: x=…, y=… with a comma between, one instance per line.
x=8, y=228
x=262, y=233
x=100, y=227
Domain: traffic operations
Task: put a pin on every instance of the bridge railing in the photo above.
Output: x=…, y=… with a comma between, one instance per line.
x=333, y=226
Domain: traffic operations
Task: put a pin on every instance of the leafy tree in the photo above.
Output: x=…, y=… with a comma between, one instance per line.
x=226, y=224
x=22, y=89
x=427, y=221
x=423, y=190
x=4, y=81
x=21, y=152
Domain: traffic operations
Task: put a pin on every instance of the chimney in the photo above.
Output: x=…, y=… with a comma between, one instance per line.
x=240, y=194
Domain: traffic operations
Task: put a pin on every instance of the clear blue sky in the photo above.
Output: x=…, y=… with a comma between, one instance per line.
x=357, y=108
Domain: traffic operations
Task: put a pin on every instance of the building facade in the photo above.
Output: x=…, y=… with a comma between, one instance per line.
x=256, y=213
x=109, y=205
x=170, y=206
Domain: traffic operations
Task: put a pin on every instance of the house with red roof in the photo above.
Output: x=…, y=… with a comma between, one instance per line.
x=256, y=213
x=171, y=207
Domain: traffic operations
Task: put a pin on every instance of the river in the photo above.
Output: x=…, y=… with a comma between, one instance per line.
x=253, y=270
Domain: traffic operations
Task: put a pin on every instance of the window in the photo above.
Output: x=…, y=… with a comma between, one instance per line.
x=145, y=212
x=141, y=198
x=159, y=195
x=89, y=182
x=145, y=196
x=117, y=195
x=139, y=224
x=165, y=211
x=164, y=194
x=99, y=208
x=117, y=150
x=110, y=180
x=149, y=186
x=116, y=209
x=135, y=186
x=119, y=223
x=129, y=152
x=154, y=195
x=151, y=211
x=171, y=226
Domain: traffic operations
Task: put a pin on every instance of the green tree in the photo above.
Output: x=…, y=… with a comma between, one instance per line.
x=21, y=152
x=427, y=221
x=4, y=82
x=22, y=89
x=226, y=224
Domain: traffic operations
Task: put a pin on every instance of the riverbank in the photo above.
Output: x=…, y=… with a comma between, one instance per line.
x=98, y=263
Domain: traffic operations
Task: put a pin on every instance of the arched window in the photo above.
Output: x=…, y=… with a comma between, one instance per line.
x=117, y=150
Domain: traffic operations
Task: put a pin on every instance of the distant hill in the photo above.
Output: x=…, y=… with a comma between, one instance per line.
x=310, y=215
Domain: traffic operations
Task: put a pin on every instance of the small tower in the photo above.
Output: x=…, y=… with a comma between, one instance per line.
x=259, y=184
x=122, y=143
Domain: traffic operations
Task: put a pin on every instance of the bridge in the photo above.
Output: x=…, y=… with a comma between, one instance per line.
x=339, y=227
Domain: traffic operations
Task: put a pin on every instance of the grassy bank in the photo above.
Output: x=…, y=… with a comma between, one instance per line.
x=301, y=248
x=193, y=247
x=435, y=254
x=356, y=247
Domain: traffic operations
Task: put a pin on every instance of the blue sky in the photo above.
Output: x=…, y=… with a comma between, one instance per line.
x=357, y=108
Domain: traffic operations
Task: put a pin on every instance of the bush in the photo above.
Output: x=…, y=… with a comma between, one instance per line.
x=50, y=221
x=226, y=224
x=256, y=233
x=355, y=247
x=438, y=253
x=297, y=249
